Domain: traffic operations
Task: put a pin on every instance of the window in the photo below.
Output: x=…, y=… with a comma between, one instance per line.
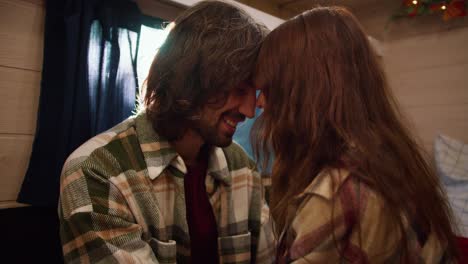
x=150, y=41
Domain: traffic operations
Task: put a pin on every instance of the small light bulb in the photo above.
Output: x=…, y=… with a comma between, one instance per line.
x=415, y=2
x=443, y=7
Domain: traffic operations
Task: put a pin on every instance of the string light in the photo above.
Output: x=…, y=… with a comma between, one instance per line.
x=448, y=8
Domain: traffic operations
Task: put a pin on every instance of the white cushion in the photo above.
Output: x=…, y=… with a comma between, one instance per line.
x=451, y=158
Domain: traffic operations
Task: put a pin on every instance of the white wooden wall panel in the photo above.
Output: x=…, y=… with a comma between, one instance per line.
x=443, y=85
x=19, y=90
x=440, y=49
x=429, y=76
x=14, y=157
x=21, y=34
x=429, y=121
x=21, y=49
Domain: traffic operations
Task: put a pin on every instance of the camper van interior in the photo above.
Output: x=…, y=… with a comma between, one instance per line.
x=51, y=49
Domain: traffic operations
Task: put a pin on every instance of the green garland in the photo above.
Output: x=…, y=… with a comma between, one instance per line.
x=448, y=8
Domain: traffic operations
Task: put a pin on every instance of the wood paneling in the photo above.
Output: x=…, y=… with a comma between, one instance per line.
x=440, y=49
x=11, y=204
x=161, y=9
x=270, y=7
x=297, y=3
x=21, y=34
x=376, y=18
x=21, y=48
x=37, y=2
x=14, y=157
x=19, y=90
x=443, y=85
x=429, y=24
x=428, y=121
x=288, y=8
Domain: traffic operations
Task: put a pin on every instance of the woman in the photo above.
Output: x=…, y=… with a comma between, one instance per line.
x=349, y=183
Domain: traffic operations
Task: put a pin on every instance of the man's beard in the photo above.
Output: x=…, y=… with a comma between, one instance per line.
x=211, y=134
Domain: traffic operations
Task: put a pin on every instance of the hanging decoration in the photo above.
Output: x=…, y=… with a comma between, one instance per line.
x=448, y=9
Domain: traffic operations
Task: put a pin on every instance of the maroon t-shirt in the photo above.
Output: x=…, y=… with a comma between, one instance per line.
x=200, y=218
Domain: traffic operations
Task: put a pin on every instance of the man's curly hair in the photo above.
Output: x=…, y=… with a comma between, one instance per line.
x=211, y=49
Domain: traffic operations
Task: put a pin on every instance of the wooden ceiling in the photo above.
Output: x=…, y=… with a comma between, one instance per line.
x=288, y=8
x=374, y=15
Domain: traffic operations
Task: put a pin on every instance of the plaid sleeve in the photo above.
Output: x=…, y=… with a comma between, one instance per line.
x=264, y=242
x=351, y=228
x=354, y=228
x=96, y=224
x=316, y=231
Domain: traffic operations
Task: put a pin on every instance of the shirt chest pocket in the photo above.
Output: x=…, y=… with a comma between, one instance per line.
x=235, y=249
x=165, y=252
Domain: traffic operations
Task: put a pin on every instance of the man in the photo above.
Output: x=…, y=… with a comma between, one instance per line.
x=168, y=184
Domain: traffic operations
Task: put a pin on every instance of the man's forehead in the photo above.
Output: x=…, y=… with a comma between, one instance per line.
x=257, y=81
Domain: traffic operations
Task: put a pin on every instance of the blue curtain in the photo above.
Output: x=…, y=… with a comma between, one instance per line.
x=89, y=83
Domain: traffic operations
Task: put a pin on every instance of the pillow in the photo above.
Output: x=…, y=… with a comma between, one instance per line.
x=451, y=157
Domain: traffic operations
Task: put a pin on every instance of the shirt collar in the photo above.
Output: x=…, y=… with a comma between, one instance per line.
x=159, y=154
x=218, y=166
x=326, y=184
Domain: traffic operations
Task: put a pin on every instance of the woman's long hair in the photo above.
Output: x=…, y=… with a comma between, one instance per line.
x=328, y=102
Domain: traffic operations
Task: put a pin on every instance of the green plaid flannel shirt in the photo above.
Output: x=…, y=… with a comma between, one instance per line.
x=122, y=200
